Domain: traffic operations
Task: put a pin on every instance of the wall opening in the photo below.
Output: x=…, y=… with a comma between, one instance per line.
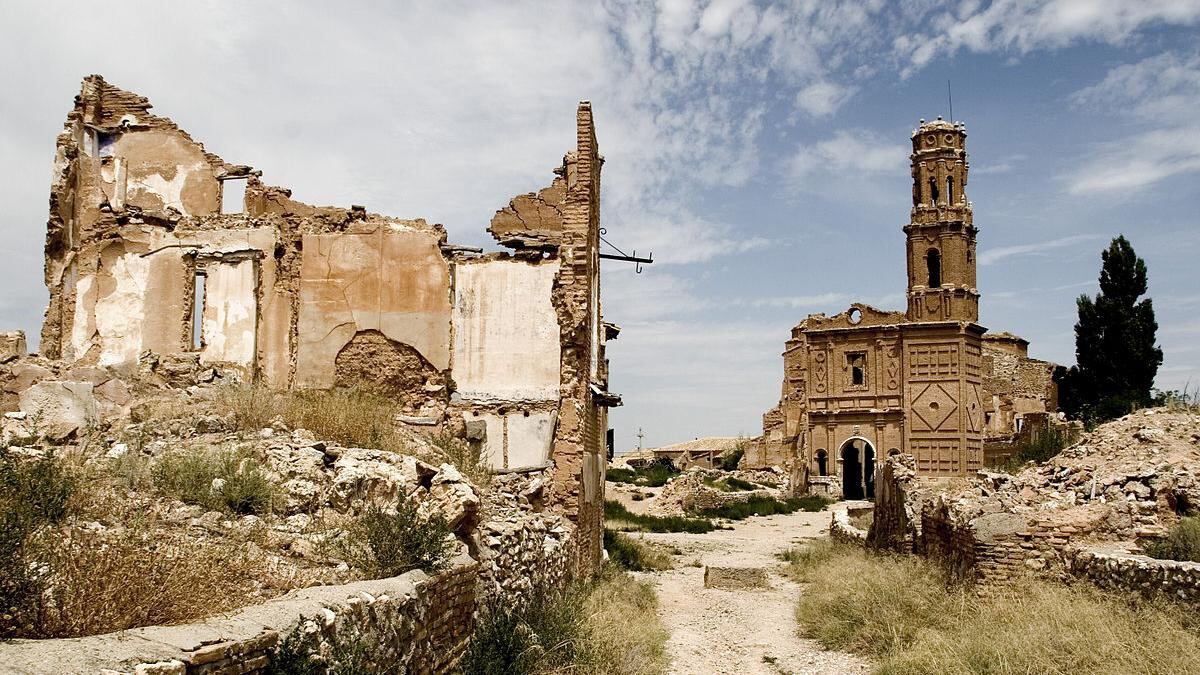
x=852, y=471
x=949, y=189
x=822, y=462
x=233, y=195
x=857, y=363
x=933, y=192
x=198, y=311
x=933, y=262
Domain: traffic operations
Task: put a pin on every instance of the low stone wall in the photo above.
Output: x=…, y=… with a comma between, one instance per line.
x=411, y=623
x=521, y=554
x=1116, y=568
x=840, y=529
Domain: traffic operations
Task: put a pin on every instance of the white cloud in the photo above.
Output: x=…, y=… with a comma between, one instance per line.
x=823, y=98
x=1160, y=94
x=849, y=151
x=994, y=255
x=1022, y=26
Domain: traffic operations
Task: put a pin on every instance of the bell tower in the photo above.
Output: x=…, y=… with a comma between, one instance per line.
x=941, y=236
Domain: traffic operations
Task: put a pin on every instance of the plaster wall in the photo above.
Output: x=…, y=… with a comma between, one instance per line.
x=506, y=331
x=230, y=320
x=393, y=281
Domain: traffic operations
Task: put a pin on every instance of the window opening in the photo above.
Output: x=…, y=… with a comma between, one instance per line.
x=933, y=260
x=233, y=195
x=857, y=362
x=933, y=192
x=949, y=189
x=822, y=463
x=106, y=144
x=198, y=312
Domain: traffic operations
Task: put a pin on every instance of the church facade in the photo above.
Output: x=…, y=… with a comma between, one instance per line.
x=866, y=383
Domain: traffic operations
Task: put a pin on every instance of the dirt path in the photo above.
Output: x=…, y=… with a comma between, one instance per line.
x=746, y=631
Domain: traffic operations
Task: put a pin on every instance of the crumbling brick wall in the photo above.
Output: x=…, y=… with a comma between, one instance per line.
x=158, y=249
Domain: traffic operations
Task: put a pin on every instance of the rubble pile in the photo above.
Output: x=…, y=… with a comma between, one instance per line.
x=1127, y=479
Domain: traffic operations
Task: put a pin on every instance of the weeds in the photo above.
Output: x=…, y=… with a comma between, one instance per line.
x=216, y=480
x=388, y=543
x=622, y=519
x=33, y=496
x=351, y=417
x=655, y=475
x=901, y=612
x=464, y=457
x=766, y=506
x=634, y=555
x=730, y=484
x=1181, y=543
x=110, y=581
x=1038, y=447
x=604, y=626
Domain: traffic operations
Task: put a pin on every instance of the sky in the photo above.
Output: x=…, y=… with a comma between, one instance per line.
x=760, y=152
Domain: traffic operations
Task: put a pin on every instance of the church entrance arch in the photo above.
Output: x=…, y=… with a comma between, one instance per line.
x=857, y=457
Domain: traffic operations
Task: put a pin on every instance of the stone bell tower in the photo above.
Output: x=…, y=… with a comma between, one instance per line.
x=941, y=236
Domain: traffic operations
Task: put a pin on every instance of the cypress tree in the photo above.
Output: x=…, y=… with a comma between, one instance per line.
x=1115, y=352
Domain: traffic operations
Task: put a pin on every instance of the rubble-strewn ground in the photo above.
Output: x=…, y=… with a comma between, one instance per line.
x=188, y=481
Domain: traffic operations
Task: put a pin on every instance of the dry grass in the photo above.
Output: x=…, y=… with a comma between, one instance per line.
x=607, y=626
x=100, y=583
x=624, y=635
x=350, y=417
x=900, y=611
x=635, y=554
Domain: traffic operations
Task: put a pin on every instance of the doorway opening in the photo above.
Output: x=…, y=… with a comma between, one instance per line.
x=858, y=469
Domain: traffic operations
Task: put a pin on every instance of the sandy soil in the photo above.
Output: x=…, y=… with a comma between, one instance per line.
x=751, y=631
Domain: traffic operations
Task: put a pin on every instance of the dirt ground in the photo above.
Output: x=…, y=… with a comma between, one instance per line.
x=746, y=631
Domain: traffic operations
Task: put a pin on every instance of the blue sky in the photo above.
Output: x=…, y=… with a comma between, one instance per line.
x=759, y=151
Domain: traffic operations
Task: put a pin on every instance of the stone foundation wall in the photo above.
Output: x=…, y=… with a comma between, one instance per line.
x=1116, y=568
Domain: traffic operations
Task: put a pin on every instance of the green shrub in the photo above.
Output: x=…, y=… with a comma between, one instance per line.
x=623, y=519
x=730, y=484
x=620, y=475
x=730, y=459
x=633, y=555
x=656, y=474
x=1039, y=448
x=216, y=480
x=1181, y=543
x=34, y=494
x=388, y=543
x=766, y=506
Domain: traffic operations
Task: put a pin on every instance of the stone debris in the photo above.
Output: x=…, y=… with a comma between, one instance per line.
x=735, y=578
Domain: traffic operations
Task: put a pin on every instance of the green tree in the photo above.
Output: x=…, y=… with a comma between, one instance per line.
x=1115, y=352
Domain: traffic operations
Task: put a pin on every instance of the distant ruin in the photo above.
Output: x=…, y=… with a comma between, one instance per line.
x=159, y=251
x=929, y=381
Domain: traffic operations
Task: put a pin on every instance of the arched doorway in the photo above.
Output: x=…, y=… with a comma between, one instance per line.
x=858, y=469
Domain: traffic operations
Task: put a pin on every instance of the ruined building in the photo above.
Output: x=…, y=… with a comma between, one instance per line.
x=928, y=381
x=159, y=251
